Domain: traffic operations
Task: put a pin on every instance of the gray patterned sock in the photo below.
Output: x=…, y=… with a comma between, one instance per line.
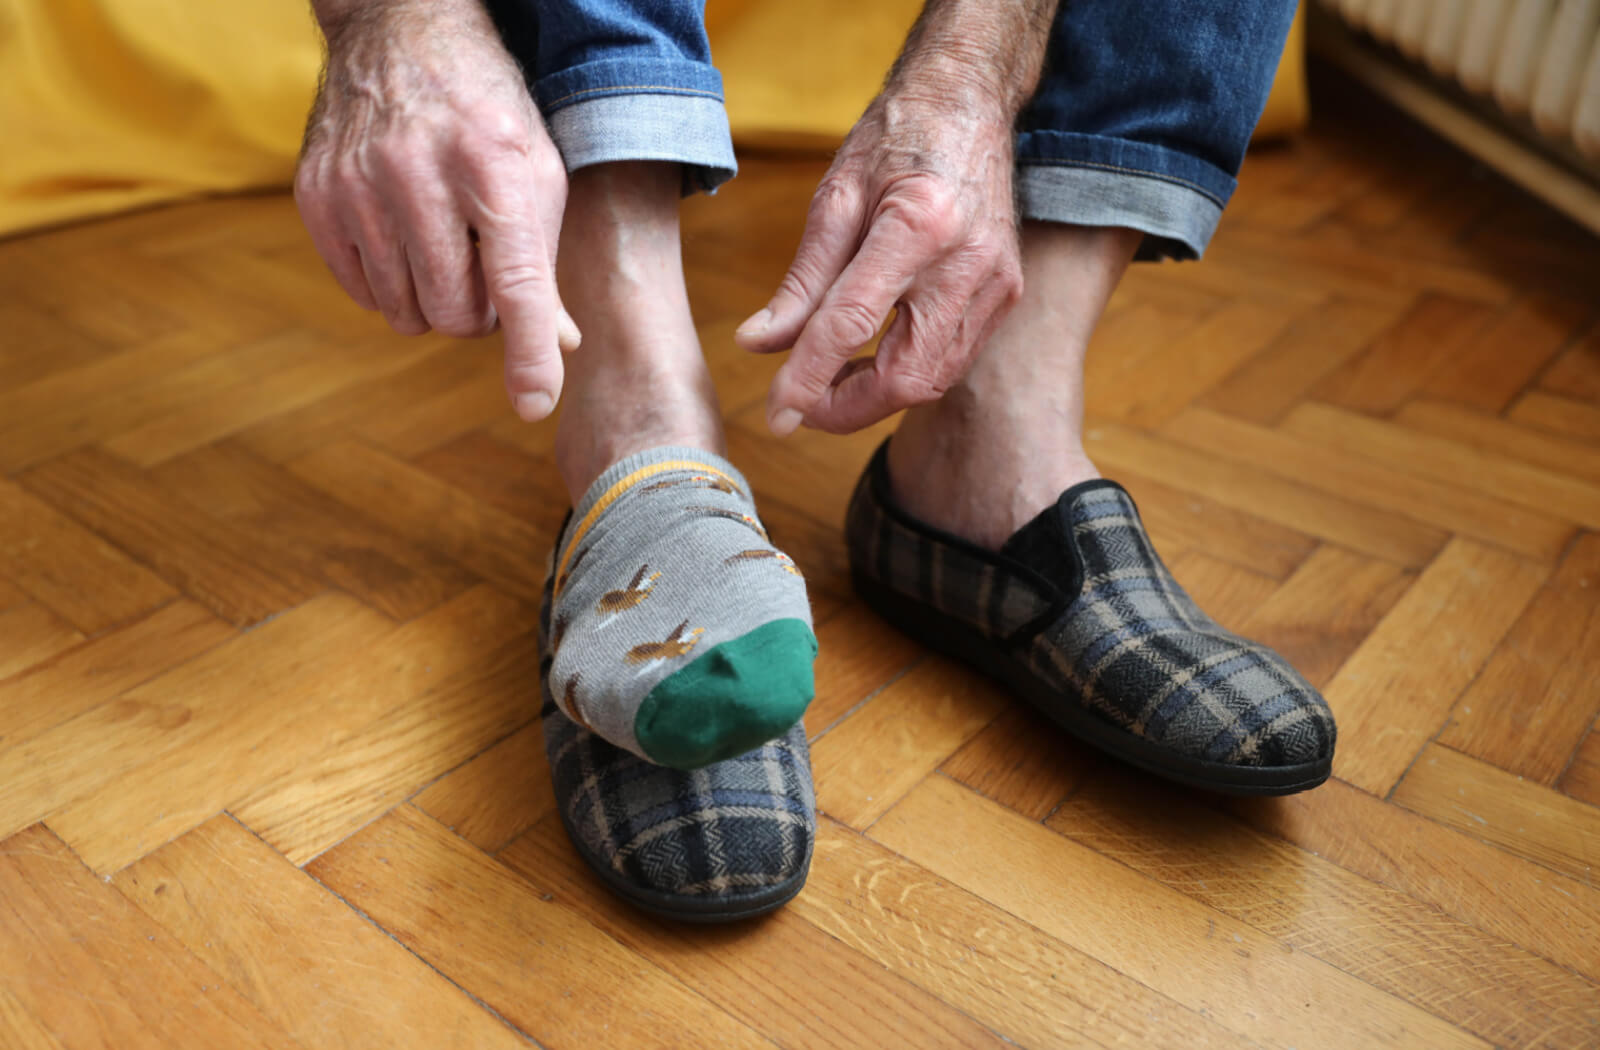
x=680, y=633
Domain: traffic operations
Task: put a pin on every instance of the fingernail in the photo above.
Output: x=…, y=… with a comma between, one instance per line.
x=757, y=323
x=535, y=406
x=567, y=334
x=784, y=421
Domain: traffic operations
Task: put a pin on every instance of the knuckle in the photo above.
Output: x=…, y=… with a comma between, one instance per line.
x=461, y=322
x=850, y=324
x=906, y=387
x=517, y=280
x=406, y=322
x=837, y=200
x=926, y=207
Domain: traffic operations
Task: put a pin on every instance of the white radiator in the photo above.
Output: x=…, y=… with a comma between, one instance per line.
x=1538, y=61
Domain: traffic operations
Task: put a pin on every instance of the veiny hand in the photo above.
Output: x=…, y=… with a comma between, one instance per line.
x=915, y=216
x=432, y=190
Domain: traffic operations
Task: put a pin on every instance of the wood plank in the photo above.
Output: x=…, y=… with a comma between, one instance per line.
x=1582, y=777
x=107, y=409
x=309, y=963
x=1272, y=381
x=1491, y=369
x=56, y=281
x=858, y=654
x=1401, y=362
x=528, y=488
x=70, y=569
x=997, y=968
x=1024, y=762
x=1269, y=262
x=297, y=293
x=758, y=974
x=189, y=707
x=1483, y=886
x=1321, y=614
x=231, y=408
x=1420, y=455
x=1535, y=700
x=1558, y=414
x=1512, y=812
x=410, y=429
x=101, y=669
x=1227, y=592
x=99, y=973
x=1576, y=373
x=1177, y=520
x=38, y=401
x=1432, y=643
x=293, y=434
x=236, y=576
x=498, y=795
x=865, y=764
x=39, y=346
x=1497, y=436
x=33, y=634
x=1291, y=503
x=10, y=595
x=265, y=736
x=343, y=546
x=1374, y=483
x=535, y=963
x=419, y=738
x=20, y=1030
x=1251, y=983
x=1385, y=938
x=498, y=547
x=1180, y=369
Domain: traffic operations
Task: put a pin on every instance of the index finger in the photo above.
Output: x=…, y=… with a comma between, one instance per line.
x=520, y=282
x=850, y=315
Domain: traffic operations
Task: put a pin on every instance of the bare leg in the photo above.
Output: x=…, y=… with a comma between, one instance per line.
x=639, y=381
x=1007, y=440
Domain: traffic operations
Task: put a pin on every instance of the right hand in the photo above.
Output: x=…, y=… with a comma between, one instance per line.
x=432, y=190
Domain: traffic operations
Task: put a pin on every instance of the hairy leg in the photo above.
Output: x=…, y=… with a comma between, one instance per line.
x=639, y=380
x=1007, y=440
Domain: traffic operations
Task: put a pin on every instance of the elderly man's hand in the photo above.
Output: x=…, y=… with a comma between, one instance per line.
x=431, y=188
x=915, y=216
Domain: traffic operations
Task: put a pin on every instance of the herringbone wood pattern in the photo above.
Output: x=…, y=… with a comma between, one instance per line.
x=270, y=769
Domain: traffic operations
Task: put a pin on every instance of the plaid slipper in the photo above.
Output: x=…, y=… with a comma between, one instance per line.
x=724, y=842
x=1078, y=615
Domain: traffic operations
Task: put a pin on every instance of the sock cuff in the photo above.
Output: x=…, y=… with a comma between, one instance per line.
x=630, y=471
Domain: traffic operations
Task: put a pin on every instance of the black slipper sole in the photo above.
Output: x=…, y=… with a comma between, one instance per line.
x=953, y=637
x=700, y=910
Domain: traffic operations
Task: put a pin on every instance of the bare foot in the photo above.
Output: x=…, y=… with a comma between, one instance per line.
x=1007, y=440
x=639, y=380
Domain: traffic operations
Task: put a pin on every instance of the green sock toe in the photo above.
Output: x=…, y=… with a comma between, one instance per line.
x=731, y=699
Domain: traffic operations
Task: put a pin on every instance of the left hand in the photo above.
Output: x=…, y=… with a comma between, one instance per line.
x=916, y=216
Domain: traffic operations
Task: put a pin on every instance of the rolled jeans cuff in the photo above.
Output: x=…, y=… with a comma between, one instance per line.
x=628, y=109
x=1174, y=199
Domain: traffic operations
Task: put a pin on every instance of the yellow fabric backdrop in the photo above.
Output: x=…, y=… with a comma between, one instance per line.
x=111, y=104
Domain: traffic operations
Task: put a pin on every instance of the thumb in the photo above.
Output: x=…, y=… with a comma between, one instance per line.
x=835, y=225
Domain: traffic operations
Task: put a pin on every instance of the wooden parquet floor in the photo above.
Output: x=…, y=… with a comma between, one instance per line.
x=270, y=767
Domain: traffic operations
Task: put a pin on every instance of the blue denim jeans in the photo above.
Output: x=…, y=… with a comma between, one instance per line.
x=1141, y=117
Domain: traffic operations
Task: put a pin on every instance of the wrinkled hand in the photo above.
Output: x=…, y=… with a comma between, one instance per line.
x=915, y=216
x=432, y=189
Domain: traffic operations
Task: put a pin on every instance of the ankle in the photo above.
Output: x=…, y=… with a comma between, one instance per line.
x=981, y=479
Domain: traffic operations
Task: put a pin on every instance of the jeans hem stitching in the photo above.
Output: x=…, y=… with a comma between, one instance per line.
x=651, y=89
x=1174, y=179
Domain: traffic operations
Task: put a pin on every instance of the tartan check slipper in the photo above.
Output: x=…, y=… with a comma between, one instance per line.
x=1077, y=615
x=724, y=842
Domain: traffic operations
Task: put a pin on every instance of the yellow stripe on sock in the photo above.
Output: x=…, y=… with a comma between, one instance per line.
x=612, y=494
